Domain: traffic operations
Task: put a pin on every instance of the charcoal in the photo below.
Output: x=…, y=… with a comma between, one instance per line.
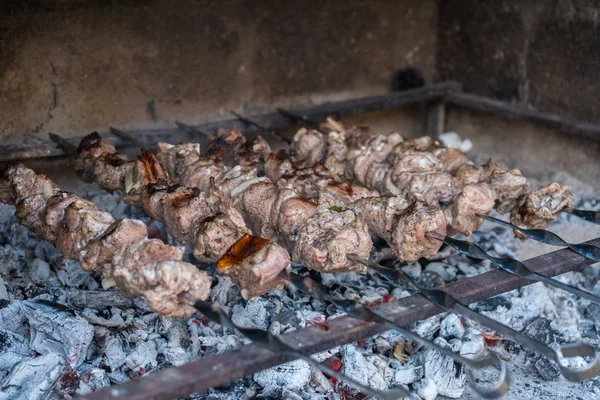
x=592, y=311
x=143, y=354
x=547, y=369
x=253, y=315
x=58, y=332
x=70, y=274
x=452, y=327
x=426, y=389
x=32, y=378
x=430, y=279
x=13, y=348
x=114, y=353
x=96, y=299
x=320, y=382
x=114, y=319
x=293, y=375
x=427, y=327
x=493, y=303
x=405, y=375
x=588, y=329
x=287, y=321
x=91, y=380
x=224, y=291
x=176, y=351
x=356, y=366
x=446, y=271
x=540, y=329
x=473, y=345
x=220, y=344
x=449, y=377
x=3, y=291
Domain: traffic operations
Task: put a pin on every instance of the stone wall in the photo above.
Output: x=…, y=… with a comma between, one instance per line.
x=73, y=66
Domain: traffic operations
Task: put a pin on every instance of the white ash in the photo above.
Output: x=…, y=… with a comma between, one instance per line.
x=128, y=340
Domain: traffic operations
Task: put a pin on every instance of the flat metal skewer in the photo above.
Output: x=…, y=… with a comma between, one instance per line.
x=260, y=127
x=449, y=303
x=552, y=239
x=510, y=265
x=274, y=342
x=64, y=144
x=125, y=136
x=586, y=215
x=191, y=129
x=299, y=118
x=360, y=311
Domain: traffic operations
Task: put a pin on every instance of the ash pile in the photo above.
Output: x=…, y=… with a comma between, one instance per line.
x=63, y=335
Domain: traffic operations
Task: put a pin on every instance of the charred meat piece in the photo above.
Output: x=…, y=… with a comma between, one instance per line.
x=409, y=240
x=452, y=159
x=176, y=158
x=328, y=237
x=423, y=143
x=215, y=234
x=337, y=151
x=410, y=162
x=308, y=146
x=380, y=213
x=278, y=165
x=254, y=265
x=113, y=242
x=509, y=186
x=225, y=142
x=147, y=171
x=538, y=208
x=253, y=153
x=333, y=193
x=433, y=187
x=376, y=151
x=97, y=160
x=478, y=198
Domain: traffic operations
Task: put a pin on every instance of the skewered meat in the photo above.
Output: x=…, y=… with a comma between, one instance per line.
x=380, y=213
x=474, y=199
x=247, y=264
x=452, y=159
x=468, y=174
x=337, y=151
x=97, y=159
x=278, y=165
x=538, y=208
x=191, y=215
x=328, y=237
x=309, y=146
x=225, y=141
x=509, y=185
x=410, y=162
x=120, y=249
x=361, y=159
x=433, y=187
x=409, y=239
x=253, y=153
x=415, y=144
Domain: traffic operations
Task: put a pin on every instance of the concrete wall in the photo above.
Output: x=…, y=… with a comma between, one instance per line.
x=541, y=53
x=73, y=66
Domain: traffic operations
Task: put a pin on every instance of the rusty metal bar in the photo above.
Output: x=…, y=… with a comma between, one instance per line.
x=520, y=112
x=220, y=369
x=270, y=121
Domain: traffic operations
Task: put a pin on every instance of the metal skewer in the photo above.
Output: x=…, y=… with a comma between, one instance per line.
x=586, y=215
x=125, y=136
x=360, y=311
x=262, y=128
x=449, y=303
x=191, y=129
x=299, y=118
x=63, y=143
x=547, y=237
x=512, y=266
x=275, y=343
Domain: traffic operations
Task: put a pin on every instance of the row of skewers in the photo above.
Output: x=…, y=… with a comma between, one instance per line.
x=308, y=208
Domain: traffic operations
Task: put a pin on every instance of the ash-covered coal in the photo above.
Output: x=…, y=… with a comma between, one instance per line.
x=63, y=335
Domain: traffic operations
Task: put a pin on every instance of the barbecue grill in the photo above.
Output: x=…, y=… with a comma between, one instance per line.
x=178, y=285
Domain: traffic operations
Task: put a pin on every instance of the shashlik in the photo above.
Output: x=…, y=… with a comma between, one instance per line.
x=120, y=249
x=202, y=217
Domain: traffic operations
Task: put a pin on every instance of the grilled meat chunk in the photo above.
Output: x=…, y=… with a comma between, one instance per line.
x=409, y=240
x=308, y=147
x=215, y=234
x=433, y=187
x=254, y=265
x=380, y=213
x=538, y=208
x=474, y=199
x=278, y=165
x=411, y=162
x=509, y=186
x=98, y=161
x=375, y=151
x=328, y=237
x=452, y=159
x=253, y=153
